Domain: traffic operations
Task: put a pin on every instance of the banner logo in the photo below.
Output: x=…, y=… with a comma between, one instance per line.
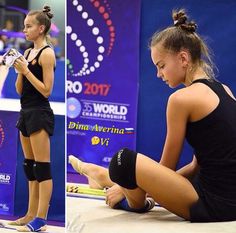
x=74, y=87
x=102, y=79
x=73, y=107
x=102, y=141
x=104, y=110
x=106, y=159
x=99, y=128
x=95, y=140
x=96, y=18
x=4, y=207
x=5, y=178
x=96, y=89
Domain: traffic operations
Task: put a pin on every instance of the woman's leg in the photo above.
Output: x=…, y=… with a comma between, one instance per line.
x=33, y=185
x=98, y=176
x=41, y=147
x=171, y=190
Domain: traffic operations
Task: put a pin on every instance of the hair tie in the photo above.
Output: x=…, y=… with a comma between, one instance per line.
x=175, y=22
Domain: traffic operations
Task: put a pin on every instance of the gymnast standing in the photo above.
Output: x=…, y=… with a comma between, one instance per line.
x=204, y=113
x=36, y=122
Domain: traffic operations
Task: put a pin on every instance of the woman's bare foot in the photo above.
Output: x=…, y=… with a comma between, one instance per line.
x=78, y=166
x=22, y=221
x=36, y=225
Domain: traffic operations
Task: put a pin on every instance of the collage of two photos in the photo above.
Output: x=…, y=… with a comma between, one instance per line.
x=32, y=116
x=117, y=116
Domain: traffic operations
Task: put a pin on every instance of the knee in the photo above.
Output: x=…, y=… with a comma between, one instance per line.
x=42, y=171
x=122, y=168
x=28, y=166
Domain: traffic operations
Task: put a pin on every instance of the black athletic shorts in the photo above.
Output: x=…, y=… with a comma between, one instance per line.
x=211, y=208
x=32, y=120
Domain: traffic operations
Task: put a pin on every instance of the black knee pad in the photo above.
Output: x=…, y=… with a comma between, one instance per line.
x=28, y=166
x=122, y=168
x=42, y=171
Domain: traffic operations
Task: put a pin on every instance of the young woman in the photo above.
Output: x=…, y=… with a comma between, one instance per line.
x=36, y=122
x=203, y=112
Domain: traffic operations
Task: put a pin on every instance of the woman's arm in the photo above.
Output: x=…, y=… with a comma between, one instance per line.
x=177, y=117
x=47, y=61
x=19, y=83
x=19, y=79
x=190, y=169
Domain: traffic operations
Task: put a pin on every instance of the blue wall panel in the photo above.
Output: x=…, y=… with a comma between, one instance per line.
x=216, y=20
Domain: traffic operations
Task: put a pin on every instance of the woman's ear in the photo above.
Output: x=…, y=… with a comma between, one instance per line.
x=184, y=58
x=41, y=29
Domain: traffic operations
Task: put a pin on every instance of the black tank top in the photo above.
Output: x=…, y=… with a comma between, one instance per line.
x=213, y=139
x=30, y=96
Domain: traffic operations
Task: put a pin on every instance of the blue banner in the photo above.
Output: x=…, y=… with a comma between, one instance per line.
x=102, y=78
x=8, y=153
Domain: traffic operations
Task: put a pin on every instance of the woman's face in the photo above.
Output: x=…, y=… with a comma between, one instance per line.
x=32, y=29
x=171, y=67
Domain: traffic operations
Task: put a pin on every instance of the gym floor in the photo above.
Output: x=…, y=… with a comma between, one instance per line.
x=90, y=214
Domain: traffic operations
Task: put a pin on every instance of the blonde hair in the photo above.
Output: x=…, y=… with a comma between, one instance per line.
x=182, y=35
x=43, y=17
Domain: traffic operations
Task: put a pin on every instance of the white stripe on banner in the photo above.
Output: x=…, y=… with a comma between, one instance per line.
x=13, y=105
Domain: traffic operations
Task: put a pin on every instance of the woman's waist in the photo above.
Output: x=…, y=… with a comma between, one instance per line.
x=221, y=184
x=34, y=101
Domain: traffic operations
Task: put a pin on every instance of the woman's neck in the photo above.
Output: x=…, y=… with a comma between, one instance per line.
x=198, y=73
x=40, y=43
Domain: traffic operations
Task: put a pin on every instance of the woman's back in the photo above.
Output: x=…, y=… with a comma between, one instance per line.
x=214, y=141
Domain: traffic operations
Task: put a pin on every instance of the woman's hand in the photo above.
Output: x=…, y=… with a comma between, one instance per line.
x=21, y=65
x=114, y=195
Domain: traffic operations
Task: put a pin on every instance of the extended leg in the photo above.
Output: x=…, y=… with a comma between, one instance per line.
x=98, y=176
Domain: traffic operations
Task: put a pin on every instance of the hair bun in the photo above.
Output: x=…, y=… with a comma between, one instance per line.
x=180, y=20
x=46, y=10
